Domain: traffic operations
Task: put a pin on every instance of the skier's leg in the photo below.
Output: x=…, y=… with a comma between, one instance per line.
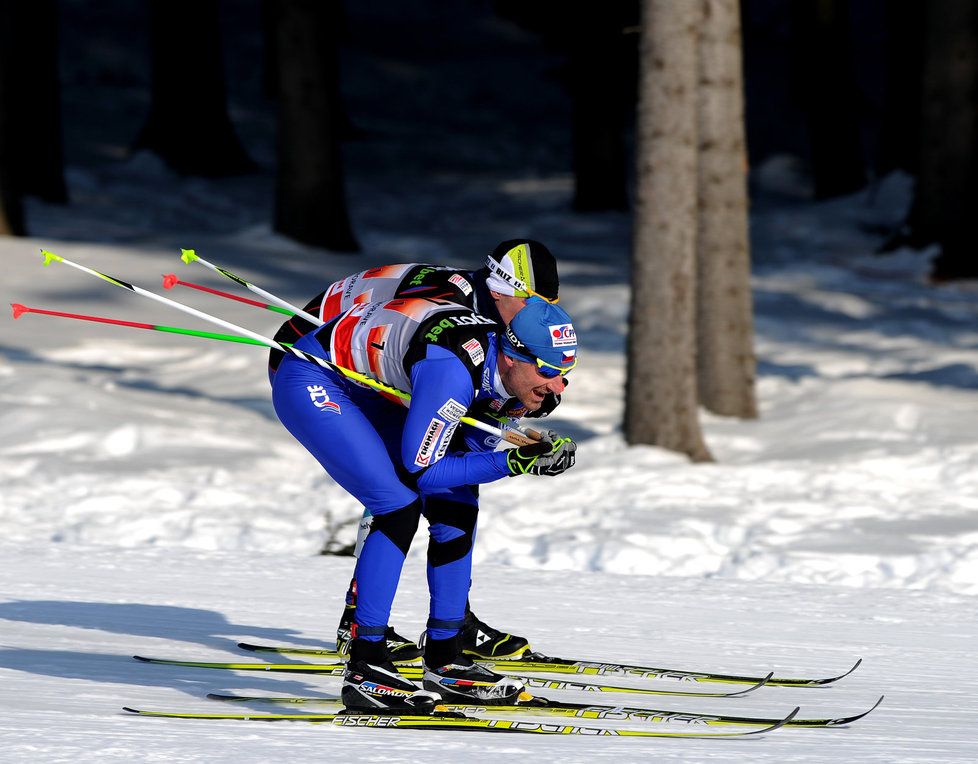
x=452, y=517
x=336, y=424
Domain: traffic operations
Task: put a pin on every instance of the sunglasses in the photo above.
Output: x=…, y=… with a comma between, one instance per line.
x=550, y=371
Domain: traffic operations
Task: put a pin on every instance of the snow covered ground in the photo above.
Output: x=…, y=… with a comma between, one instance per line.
x=860, y=471
x=150, y=502
x=73, y=615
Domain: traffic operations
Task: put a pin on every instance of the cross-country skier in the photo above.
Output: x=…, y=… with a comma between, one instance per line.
x=514, y=271
x=401, y=463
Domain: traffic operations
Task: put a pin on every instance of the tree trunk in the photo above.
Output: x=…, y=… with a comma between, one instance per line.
x=310, y=198
x=188, y=124
x=945, y=205
x=724, y=320
x=827, y=86
x=599, y=58
x=11, y=208
x=661, y=397
x=31, y=158
x=38, y=116
x=899, y=135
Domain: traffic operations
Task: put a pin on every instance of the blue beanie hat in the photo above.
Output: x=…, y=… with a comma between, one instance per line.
x=541, y=330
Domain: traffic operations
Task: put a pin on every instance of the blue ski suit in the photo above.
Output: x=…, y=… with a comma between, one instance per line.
x=402, y=462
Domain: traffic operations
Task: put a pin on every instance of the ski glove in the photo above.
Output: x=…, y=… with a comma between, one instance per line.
x=550, y=402
x=548, y=457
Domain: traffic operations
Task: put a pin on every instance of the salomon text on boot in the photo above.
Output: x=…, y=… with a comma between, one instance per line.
x=372, y=683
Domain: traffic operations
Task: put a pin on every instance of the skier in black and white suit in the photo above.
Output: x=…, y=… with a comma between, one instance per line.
x=514, y=271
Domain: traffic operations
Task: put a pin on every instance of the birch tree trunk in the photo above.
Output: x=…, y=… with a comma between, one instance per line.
x=661, y=394
x=726, y=365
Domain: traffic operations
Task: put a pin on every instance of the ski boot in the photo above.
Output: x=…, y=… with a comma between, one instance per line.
x=372, y=683
x=401, y=649
x=482, y=642
x=459, y=680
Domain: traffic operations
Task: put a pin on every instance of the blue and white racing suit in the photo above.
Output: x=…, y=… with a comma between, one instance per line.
x=401, y=462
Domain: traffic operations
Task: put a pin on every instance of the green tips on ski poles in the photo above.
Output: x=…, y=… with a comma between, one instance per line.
x=188, y=255
x=50, y=257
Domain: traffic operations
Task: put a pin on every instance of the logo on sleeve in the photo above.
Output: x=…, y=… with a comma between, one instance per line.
x=424, y=456
x=445, y=441
x=452, y=410
x=562, y=335
x=475, y=351
x=461, y=283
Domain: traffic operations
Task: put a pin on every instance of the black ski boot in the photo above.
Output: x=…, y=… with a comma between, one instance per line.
x=372, y=683
x=400, y=648
x=458, y=680
x=482, y=642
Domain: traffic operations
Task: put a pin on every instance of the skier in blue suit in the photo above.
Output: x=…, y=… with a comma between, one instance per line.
x=402, y=463
x=513, y=271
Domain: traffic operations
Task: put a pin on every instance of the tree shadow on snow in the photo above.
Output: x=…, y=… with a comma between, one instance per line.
x=150, y=623
x=105, y=668
x=204, y=627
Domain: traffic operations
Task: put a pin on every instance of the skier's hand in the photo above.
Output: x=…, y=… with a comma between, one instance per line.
x=550, y=402
x=550, y=456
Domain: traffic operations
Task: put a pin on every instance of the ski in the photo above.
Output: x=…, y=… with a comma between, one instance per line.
x=542, y=707
x=453, y=721
x=532, y=662
x=414, y=672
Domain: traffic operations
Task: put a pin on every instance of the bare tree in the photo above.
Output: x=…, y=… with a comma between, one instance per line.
x=724, y=311
x=946, y=197
x=601, y=60
x=310, y=197
x=11, y=194
x=661, y=390
x=31, y=156
x=826, y=81
x=188, y=123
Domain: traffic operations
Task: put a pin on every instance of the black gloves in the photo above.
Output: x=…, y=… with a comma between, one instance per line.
x=550, y=456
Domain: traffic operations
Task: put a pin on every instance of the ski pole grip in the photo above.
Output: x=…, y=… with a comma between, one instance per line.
x=519, y=439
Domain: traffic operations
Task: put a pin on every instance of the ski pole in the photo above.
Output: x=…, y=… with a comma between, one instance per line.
x=170, y=280
x=509, y=434
x=190, y=256
x=20, y=310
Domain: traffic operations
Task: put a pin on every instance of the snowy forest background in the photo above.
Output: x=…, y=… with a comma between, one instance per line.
x=150, y=501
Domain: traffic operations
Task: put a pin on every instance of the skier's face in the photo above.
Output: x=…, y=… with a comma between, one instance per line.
x=523, y=380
